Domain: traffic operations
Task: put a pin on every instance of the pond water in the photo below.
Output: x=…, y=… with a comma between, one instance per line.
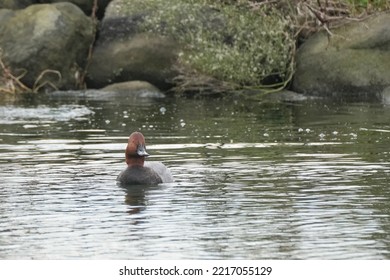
x=253, y=180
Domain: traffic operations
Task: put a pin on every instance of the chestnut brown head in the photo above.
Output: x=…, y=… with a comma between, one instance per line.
x=136, y=149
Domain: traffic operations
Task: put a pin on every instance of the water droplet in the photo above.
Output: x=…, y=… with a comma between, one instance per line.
x=353, y=135
x=26, y=126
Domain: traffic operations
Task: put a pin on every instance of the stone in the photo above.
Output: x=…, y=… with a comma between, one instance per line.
x=185, y=44
x=138, y=89
x=15, y=4
x=46, y=44
x=85, y=5
x=353, y=64
x=141, y=57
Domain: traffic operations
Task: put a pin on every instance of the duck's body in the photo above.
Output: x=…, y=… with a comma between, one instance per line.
x=139, y=175
x=161, y=170
x=139, y=172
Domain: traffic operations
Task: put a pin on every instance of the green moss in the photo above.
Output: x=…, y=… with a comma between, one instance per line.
x=369, y=4
x=227, y=42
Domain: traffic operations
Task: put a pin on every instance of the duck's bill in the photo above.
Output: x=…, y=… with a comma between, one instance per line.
x=141, y=151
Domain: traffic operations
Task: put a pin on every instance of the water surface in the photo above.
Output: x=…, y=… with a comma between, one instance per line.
x=257, y=180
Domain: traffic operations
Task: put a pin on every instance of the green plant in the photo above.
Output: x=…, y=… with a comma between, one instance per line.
x=232, y=43
x=369, y=4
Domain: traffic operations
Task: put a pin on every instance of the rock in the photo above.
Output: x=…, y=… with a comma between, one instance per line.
x=139, y=89
x=285, y=96
x=45, y=41
x=180, y=43
x=15, y=4
x=141, y=57
x=85, y=5
x=123, y=53
x=5, y=14
x=91, y=95
x=126, y=92
x=353, y=64
x=385, y=95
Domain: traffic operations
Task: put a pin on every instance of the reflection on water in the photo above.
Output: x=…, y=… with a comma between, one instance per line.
x=252, y=180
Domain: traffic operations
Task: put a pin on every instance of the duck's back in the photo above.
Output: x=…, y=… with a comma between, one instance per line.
x=138, y=175
x=162, y=171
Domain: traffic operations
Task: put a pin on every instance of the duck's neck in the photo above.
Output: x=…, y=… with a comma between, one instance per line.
x=135, y=161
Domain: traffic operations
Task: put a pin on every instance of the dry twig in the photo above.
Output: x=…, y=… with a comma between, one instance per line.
x=11, y=84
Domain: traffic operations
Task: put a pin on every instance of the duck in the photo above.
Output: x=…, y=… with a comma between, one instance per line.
x=139, y=172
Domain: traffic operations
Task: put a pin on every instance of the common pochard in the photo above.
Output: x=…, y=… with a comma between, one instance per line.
x=139, y=172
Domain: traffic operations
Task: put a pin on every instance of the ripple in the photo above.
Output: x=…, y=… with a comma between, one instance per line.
x=16, y=115
x=284, y=195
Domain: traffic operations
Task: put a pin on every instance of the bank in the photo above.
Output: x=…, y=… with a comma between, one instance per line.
x=194, y=47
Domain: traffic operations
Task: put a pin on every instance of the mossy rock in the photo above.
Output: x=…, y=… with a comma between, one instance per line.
x=15, y=4
x=353, y=64
x=143, y=57
x=136, y=89
x=229, y=43
x=86, y=5
x=46, y=38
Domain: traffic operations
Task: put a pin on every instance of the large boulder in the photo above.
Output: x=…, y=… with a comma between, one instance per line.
x=15, y=4
x=354, y=63
x=46, y=44
x=137, y=89
x=124, y=53
x=186, y=43
x=5, y=14
x=86, y=5
x=141, y=57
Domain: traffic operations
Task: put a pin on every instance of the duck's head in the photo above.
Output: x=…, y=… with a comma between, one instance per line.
x=136, y=150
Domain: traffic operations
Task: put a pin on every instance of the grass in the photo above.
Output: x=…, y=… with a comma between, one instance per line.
x=369, y=5
x=234, y=44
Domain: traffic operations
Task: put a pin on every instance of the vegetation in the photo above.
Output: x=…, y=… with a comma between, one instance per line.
x=231, y=44
x=369, y=5
x=245, y=44
x=11, y=84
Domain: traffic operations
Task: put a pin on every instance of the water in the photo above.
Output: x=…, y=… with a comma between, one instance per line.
x=305, y=180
